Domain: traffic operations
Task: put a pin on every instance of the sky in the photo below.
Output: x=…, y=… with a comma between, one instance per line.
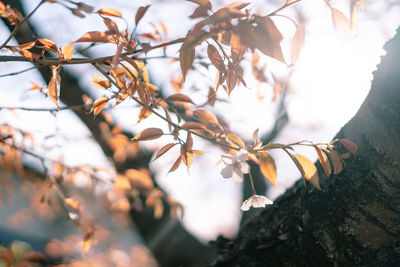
x=330, y=81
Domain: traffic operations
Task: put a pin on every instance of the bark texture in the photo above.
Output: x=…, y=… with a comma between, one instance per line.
x=355, y=219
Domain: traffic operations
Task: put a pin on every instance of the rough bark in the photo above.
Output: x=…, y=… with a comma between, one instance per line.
x=355, y=219
x=183, y=248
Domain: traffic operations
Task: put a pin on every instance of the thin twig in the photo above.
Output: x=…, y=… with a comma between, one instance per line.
x=17, y=72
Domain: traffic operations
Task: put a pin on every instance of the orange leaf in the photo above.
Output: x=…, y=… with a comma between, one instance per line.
x=341, y=23
x=204, y=3
x=100, y=83
x=94, y=37
x=68, y=51
x=176, y=164
x=215, y=58
x=350, y=146
x=54, y=85
x=140, y=13
x=236, y=140
x=336, y=161
x=109, y=11
x=237, y=48
x=180, y=97
x=99, y=105
x=72, y=203
x=237, y=5
x=186, y=155
x=193, y=125
x=148, y=134
x=308, y=170
x=298, y=42
x=144, y=113
x=164, y=149
x=267, y=166
x=326, y=166
x=49, y=45
x=205, y=117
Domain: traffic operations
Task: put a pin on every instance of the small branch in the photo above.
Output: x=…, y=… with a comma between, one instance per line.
x=287, y=4
x=17, y=72
x=77, y=107
x=16, y=29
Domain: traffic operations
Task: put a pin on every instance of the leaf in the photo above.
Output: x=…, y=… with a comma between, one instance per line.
x=231, y=78
x=337, y=163
x=187, y=156
x=94, y=37
x=193, y=125
x=144, y=113
x=186, y=58
x=308, y=170
x=180, y=97
x=237, y=5
x=341, y=24
x=140, y=13
x=176, y=164
x=189, y=142
x=49, y=45
x=148, y=134
x=100, y=83
x=109, y=11
x=199, y=12
x=215, y=58
x=72, y=203
x=99, y=105
x=326, y=166
x=205, y=117
x=164, y=149
x=54, y=85
x=236, y=140
x=34, y=256
x=298, y=42
x=68, y=51
x=143, y=93
x=237, y=48
x=267, y=166
x=198, y=152
x=350, y=146
x=87, y=241
x=204, y=3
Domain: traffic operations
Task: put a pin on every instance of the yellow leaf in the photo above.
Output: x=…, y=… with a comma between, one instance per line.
x=148, y=134
x=109, y=11
x=99, y=105
x=237, y=48
x=54, y=85
x=100, y=83
x=267, y=166
x=236, y=140
x=72, y=203
x=308, y=170
x=94, y=37
x=68, y=51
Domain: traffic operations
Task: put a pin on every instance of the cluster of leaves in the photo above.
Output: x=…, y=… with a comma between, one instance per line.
x=20, y=254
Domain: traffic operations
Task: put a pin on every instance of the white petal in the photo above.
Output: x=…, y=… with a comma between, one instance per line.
x=228, y=159
x=244, y=167
x=246, y=205
x=227, y=171
x=237, y=176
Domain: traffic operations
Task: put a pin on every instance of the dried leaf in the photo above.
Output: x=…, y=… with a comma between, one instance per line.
x=87, y=241
x=204, y=3
x=236, y=140
x=215, y=58
x=109, y=11
x=298, y=42
x=189, y=142
x=205, y=117
x=140, y=13
x=198, y=152
x=237, y=5
x=143, y=94
x=341, y=23
x=237, y=48
x=176, y=164
x=94, y=37
x=164, y=149
x=186, y=58
x=267, y=166
x=186, y=155
x=54, y=85
x=323, y=159
x=180, y=97
x=148, y=134
x=99, y=105
x=100, y=83
x=199, y=12
x=49, y=45
x=72, y=203
x=144, y=113
x=308, y=170
x=68, y=51
x=231, y=78
x=337, y=163
x=158, y=208
x=350, y=146
x=193, y=125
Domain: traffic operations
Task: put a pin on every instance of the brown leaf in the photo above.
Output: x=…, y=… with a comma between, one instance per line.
x=99, y=105
x=164, y=149
x=144, y=113
x=277, y=88
x=267, y=166
x=186, y=58
x=72, y=203
x=308, y=170
x=49, y=45
x=180, y=97
x=199, y=12
x=176, y=164
x=189, y=142
x=148, y=134
x=237, y=48
x=350, y=146
x=235, y=140
x=187, y=156
x=237, y=5
x=112, y=27
x=298, y=42
x=94, y=37
x=337, y=163
x=100, y=83
x=68, y=51
x=231, y=79
x=54, y=85
x=326, y=166
x=140, y=13
x=109, y=11
x=143, y=94
x=204, y=3
x=205, y=117
x=215, y=58
x=193, y=125
x=341, y=23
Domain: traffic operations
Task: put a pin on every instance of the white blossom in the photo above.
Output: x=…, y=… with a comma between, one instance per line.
x=236, y=166
x=256, y=201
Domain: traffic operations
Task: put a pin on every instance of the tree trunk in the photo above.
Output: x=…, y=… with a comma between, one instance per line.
x=355, y=219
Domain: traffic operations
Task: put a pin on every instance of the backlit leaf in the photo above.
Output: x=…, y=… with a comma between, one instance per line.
x=341, y=24
x=237, y=48
x=99, y=105
x=100, y=83
x=193, y=125
x=267, y=166
x=323, y=159
x=350, y=146
x=109, y=11
x=180, y=97
x=148, y=134
x=308, y=170
x=186, y=155
x=140, y=13
x=164, y=149
x=72, y=203
x=215, y=58
x=298, y=42
x=68, y=51
x=49, y=45
x=54, y=85
x=94, y=37
x=205, y=117
x=236, y=140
